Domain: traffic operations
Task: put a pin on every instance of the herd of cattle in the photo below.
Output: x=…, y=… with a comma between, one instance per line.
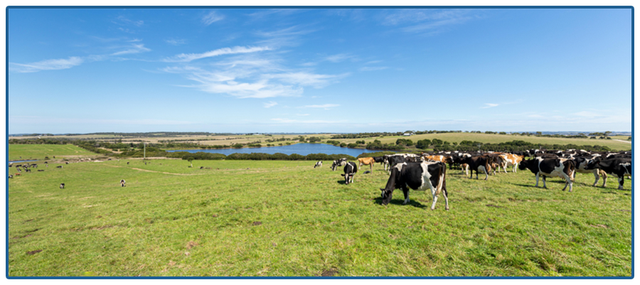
x=428, y=170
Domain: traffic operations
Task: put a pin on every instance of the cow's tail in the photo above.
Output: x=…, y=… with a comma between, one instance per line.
x=442, y=174
x=570, y=169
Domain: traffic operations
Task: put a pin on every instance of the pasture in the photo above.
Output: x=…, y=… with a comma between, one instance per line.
x=285, y=218
x=496, y=138
x=40, y=151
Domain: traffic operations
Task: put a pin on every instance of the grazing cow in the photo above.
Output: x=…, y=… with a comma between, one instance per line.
x=581, y=166
x=349, y=171
x=127, y=163
x=59, y=166
x=417, y=176
x=379, y=159
x=552, y=167
x=619, y=167
x=61, y=185
x=122, y=183
x=367, y=161
x=318, y=164
x=66, y=162
x=40, y=170
x=10, y=176
x=339, y=162
x=479, y=163
x=17, y=174
x=18, y=168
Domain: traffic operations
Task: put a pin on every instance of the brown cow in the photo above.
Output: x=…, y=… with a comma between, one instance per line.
x=367, y=161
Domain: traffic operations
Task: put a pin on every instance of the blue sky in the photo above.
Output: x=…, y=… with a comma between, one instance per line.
x=318, y=70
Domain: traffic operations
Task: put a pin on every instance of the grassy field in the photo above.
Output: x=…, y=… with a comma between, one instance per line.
x=495, y=138
x=285, y=218
x=40, y=151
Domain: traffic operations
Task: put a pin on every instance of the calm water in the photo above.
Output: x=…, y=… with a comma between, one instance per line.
x=16, y=161
x=300, y=148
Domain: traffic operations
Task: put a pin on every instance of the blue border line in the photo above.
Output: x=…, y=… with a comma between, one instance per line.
x=317, y=7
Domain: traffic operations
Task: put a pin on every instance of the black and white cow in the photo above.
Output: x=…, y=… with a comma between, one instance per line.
x=318, y=164
x=61, y=185
x=581, y=166
x=552, y=167
x=619, y=167
x=477, y=163
x=417, y=176
x=339, y=162
x=349, y=171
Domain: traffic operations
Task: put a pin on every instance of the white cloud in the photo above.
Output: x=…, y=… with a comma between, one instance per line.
x=338, y=57
x=136, y=48
x=222, y=51
x=281, y=120
x=305, y=78
x=373, y=68
x=176, y=42
x=325, y=106
x=211, y=18
x=489, y=105
x=51, y=64
x=270, y=104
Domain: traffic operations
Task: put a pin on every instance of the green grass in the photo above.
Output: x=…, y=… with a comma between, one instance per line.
x=285, y=218
x=39, y=151
x=495, y=138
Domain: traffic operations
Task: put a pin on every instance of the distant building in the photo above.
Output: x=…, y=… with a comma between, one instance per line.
x=408, y=134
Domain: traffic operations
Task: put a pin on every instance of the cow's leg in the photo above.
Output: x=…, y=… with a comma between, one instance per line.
x=405, y=191
x=537, y=177
x=604, y=179
x=544, y=181
x=595, y=174
x=445, y=194
x=504, y=167
x=621, y=182
x=466, y=169
x=515, y=167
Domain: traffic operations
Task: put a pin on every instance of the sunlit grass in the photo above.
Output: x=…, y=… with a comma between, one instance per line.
x=285, y=218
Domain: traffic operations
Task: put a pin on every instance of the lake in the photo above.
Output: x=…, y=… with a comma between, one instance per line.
x=300, y=148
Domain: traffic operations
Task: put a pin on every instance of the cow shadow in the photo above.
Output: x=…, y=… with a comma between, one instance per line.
x=398, y=202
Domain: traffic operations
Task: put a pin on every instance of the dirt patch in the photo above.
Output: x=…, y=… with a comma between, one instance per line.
x=600, y=226
x=492, y=205
x=257, y=223
x=17, y=237
x=330, y=272
x=192, y=244
x=34, y=251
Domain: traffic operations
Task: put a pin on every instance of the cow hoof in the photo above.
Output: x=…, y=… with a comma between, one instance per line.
x=446, y=208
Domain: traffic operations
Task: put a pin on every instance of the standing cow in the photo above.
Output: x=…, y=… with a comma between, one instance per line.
x=417, y=176
x=619, y=167
x=367, y=161
x=349, y=171
x=552, y=167
x=318, y=164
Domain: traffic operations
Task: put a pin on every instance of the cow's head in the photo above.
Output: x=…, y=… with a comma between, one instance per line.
x=593, y=163
x=523, y=164
x=386, y=196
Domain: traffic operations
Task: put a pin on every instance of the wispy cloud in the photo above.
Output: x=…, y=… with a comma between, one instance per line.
x=489, y=105
x=211, y=18
x=270, y=104
x=222, y=51
x=324, y=106
x=283, y=120
x=339, y=57
x=373, y=68
x=306, y=79
x=432, y=21
x=126, y=21
x=135, y=48
x=51, y=64
x=176, y=42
